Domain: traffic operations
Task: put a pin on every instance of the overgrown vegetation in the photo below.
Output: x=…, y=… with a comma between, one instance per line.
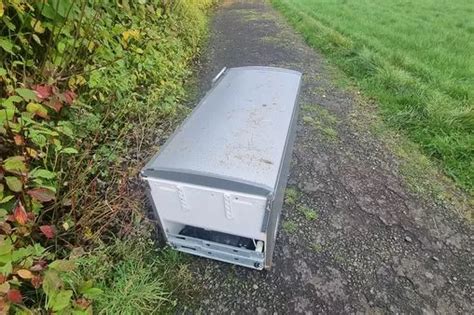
x=85, y=88
x=134, y=276
x=413, y=57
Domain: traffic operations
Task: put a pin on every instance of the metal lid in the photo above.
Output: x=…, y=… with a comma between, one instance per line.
x=238, y=132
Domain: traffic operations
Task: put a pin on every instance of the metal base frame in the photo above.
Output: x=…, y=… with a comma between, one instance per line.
x=213, y=250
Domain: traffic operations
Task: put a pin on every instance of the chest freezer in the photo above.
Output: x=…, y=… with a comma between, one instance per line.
x=217, y=185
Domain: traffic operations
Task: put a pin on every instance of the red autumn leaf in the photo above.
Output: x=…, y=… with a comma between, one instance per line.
x=37, y=267
x=48, y=230
x=42, y=262
x=55, y=104
x=19, y=214
x=36, y=281
x=83, y=303
x=18, y=139
x=14, y=296
x=69, y=96
x=43, y=91
x=41, y=194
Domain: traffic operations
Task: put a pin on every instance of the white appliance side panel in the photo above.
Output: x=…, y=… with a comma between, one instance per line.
x=213, y=209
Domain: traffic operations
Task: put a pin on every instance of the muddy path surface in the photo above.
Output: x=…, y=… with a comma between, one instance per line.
x=353, y=238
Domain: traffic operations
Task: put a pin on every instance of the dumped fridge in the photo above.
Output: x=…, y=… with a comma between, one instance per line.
x=217, y=185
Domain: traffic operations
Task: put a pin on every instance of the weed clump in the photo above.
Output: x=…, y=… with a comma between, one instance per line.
x=308, y=213
x=316, y=248
x=290, y=227
x=291, y=196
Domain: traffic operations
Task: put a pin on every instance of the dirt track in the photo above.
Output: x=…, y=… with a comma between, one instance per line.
x=373, y=247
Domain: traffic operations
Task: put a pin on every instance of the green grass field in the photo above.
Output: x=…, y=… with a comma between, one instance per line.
x=416, y=58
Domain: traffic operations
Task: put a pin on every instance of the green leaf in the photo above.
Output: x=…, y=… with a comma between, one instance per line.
x=91, y=293
x=14, y=183
x=50, y=12
x=11, y=100
x=37, y=139
x=61, y=47
x=38, y=249
x=5, y=247
x=47, y=131
x=62, y=265
x=21, y=253
x=26, y=119
x=42, y=173
x=85, y=285
x=7, y=268
x=27, y=94
x=65, y=128
x=51, y=282
x=4, y=259
x=6, y=114
x=6, y=199
x=7, y=45
x=14, y=164
x=60, y=300
x=2, y=72
x=57, y=145
x=37, y=109
x=69, y=151
x=6, y=19
x=57, y=9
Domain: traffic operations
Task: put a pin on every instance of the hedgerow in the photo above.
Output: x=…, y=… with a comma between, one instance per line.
x=85, y=87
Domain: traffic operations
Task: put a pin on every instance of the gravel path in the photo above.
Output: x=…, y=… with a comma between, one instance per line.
x=353, y=238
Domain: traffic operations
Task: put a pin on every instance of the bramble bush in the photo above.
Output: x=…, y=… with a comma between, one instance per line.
x=85, y=86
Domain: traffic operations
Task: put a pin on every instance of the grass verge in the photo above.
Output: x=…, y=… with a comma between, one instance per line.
x=413, y=58
x=135, y=277
x=422, y=175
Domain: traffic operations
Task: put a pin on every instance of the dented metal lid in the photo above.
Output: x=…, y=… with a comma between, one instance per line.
x=237, y=134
